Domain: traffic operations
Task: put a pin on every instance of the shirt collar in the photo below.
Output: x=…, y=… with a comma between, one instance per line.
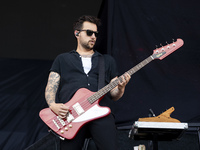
x=96, y=53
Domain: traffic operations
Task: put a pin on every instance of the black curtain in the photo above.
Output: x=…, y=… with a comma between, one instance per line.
x=22, y=85
x=134, y=29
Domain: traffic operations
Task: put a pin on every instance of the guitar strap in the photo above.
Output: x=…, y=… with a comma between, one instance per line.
x=101, y=81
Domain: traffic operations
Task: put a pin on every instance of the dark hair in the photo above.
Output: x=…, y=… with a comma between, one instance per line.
x=79, y=23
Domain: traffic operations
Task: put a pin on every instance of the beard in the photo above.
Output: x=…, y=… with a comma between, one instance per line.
x=88, y=45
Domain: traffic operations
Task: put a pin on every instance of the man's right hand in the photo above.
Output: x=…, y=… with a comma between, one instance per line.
x=60, y=109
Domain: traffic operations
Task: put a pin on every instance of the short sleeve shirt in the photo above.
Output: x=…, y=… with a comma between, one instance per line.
x=72, y=76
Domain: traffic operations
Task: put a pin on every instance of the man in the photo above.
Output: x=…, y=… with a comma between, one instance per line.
x=79, y=69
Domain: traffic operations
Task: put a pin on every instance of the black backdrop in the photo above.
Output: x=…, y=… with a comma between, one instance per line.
x=134, y=30
x=130, y=30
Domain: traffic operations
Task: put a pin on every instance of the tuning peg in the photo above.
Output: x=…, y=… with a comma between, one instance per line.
x=168, y=47
x=157, y=49
x=156, y=46
x=162, y=47
x=174, y=43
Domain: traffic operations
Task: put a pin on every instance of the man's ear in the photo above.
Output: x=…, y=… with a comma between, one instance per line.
x=76, y=33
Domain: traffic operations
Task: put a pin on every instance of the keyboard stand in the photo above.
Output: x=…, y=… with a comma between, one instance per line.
x=157, y=131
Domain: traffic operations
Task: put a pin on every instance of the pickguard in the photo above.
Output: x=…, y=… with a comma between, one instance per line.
x=93, y=113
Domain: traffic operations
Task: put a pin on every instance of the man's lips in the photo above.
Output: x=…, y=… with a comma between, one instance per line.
x=93, y=42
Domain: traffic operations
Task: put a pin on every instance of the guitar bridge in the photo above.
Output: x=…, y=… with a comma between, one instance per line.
x=56, y=124
x=61, y=121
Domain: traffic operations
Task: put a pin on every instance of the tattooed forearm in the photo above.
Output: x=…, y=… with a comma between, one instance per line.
x=52, y=87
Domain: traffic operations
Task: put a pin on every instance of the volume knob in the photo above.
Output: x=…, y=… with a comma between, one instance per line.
x=66, y=128
x=61, y=131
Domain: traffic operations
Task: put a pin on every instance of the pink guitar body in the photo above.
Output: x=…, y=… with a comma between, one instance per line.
x=81, y=112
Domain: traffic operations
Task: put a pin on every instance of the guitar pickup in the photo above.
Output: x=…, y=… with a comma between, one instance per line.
x=77, y=107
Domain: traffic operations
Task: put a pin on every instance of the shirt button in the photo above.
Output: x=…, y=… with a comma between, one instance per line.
x=88, y=84
x=87, y=75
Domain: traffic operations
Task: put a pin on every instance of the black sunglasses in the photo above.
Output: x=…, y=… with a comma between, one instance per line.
x=90, y=32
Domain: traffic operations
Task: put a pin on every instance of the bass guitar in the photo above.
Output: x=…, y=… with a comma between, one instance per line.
x=84, y=105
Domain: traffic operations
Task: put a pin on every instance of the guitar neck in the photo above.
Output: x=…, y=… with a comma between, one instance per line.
x=113, y=84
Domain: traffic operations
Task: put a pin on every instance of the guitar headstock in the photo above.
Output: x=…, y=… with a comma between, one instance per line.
x=164, y=51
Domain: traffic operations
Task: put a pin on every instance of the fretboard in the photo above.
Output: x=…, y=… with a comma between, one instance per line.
x=113, y=84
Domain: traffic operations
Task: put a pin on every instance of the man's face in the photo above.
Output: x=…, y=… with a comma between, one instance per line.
x=88, y=41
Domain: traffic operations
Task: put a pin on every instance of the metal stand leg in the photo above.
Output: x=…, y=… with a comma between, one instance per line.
x=150, y=145
x=155, y=142
x=153, y=145
x=198, y=131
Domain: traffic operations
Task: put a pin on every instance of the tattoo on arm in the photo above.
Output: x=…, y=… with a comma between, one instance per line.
x=52, y=87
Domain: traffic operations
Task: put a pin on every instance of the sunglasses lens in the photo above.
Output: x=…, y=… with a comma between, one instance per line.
x=89, y=33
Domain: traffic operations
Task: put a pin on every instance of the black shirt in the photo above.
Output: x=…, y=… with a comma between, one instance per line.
x=72, y=75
